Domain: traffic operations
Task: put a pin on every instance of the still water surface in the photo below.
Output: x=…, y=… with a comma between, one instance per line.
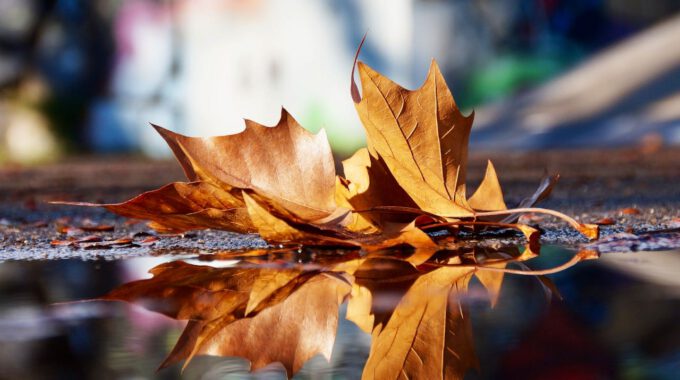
x=616, y=319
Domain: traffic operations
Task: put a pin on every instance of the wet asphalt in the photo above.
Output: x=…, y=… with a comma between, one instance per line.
x=637, y=191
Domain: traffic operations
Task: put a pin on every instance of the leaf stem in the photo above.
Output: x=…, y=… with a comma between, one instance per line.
x=591, y=231
x=578, y=257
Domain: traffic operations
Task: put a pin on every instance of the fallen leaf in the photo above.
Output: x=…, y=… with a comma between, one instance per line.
x=148, y=241
x=97, y=242
x=61, y=243
x=605, y=222
x=367, y=184
x=120, y=242
x=488, y=196
x=284, y=163
x=69, y=230
x=72, y=241
x=182, y=206
x=281, y=182
x=630, y=211
x=273, y=228
x=94, y=227
x=395, y=234
x=421, y=136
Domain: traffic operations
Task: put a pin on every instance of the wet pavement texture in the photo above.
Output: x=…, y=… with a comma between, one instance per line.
x=638, y=191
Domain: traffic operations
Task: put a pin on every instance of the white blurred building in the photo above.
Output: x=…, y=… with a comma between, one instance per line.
x=200, y=67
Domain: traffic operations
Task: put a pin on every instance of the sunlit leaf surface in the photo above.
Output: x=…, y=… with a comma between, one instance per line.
x=280, y=181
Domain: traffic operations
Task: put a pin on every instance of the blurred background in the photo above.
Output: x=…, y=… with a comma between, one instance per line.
x=81, y=76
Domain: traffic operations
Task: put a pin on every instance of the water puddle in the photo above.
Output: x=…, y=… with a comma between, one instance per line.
x=482, y=313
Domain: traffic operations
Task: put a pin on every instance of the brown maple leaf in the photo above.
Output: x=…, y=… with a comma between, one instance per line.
x=421, y=136
x=418, y=139
x=280, y=181
x=291, y=199
x=182, y=206
x=284, y=164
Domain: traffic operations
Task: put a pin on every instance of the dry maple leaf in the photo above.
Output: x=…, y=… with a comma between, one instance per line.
x=182, y=206
x=280, y=181
x=421, y=136
x=418, y=139
x=285, y=164
x=291, y=199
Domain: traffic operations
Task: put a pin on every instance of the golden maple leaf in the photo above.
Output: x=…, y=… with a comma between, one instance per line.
x=421, y=136
x=280, y=181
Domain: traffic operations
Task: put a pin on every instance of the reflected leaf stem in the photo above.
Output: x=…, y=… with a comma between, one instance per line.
x=578, y=257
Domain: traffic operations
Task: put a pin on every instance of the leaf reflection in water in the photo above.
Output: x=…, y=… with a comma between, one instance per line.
x=412, y=304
